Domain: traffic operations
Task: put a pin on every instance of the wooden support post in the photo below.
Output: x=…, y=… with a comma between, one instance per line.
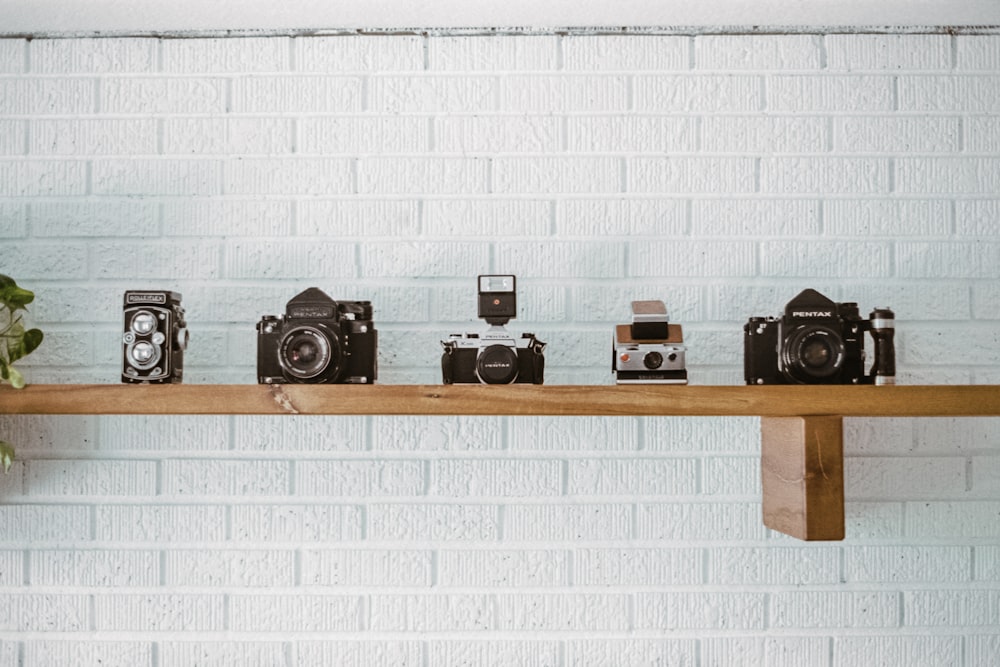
x=802, y=475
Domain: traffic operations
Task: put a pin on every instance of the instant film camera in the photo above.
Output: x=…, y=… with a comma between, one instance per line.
x=650, y=350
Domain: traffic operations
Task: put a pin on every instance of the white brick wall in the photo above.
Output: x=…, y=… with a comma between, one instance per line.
x=721, y=173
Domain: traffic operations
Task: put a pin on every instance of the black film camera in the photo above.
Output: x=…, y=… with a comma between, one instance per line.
x=318, y=341
x=818, y=341
x=494, y=357
x=650, y=350
x=155, y=337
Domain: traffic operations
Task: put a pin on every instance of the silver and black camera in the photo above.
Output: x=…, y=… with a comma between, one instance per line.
x=155, y=337
x=650, y=350
x=318, y=341
x=819, y=341
x=493, y=357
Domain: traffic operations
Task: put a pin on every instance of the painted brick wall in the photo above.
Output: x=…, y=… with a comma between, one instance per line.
x=720, y=173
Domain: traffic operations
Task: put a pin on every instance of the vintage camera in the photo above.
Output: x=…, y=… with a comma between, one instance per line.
x=155, y=337
x=494, y=357
x=818, y=341
x=650, y=350
x=318, y=341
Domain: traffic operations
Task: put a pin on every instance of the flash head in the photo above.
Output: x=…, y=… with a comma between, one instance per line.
x=497, y=299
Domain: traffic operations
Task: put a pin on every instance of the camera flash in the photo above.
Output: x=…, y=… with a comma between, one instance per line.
x=496, y=283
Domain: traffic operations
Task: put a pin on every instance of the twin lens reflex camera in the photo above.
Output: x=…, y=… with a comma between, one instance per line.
x=493, y=357
x=818, y=341
x=650, y=350
x=154, y=338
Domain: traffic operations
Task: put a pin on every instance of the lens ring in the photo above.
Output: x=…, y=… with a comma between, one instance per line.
x=143, y=322
x=309, y=353
x=143, y=355
x=652, y=360
x=497, y=364
x=812, y=353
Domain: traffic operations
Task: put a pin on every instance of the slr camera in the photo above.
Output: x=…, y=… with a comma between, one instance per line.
x=494, y=357
x=318, y=341
x=818, y=341
x=650, y=350
x=155, y=337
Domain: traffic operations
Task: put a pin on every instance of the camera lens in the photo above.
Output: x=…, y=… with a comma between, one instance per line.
x=307, y=353
x=812, y=353
x=142, y=355
x=143, y=322
x=652, y=360
x=497, y=364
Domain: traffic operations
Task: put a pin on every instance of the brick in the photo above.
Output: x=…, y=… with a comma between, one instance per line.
x=242, y=54
x=160, y=523
x=368, y=53
x=503, y=568
x=200, y=477
x=156, y=177
x=952, y=435
x=822, y=175
x=38, y=524
x=68, y=652
x=700, y=611
x=97, y=568
x=500, y=653
x=359, y=478
x=942, y=520
x=697, y=93
x=887, y=217
x=647, y=477
x=874, y=521
x=20, y=178
x=410, y=433
x=266, y=258
x=296, y=523
x=546, y=259
x=159, y=612
x=493, y=52
x=631, y=134
x=950, y=608
x=49, y=433
x=755, y=217
x=12, y=568
x=690, y=175
x=982, y=650
x=432, y=93
x=716, y=521
x=617, y=652
x=13, y=220
x=382, y=653
x=372, y=218
x=350, y=135
x=907, y=564
x=13, y=137
x=293, y=176
x=829, y=93
x=637, y=567
x=422, y=175
x=757, y=52
x=731, y=476
x=976, y=218
x=985, y=477
x=943, y=259
x=823, y=260
x=621, y=217
x=168, y=95
x=880, y=134
x=551, y=175
x=900, y=650
x=164, y=261
x=91, y=478
x=223, y=653
x=489, y=478
x=48, y=96
x=866, y=437
x=701, y=434
x=765, y=651
x=606, y=304
x=244, y=568
x=947, y=175
x=408, y=259
x=488, y=218
x=578, y=612
x=44, y=612
x=977, y=52
x=954, y=92
x=296, y=94
x=768, y=134
x=64, y=219
x=625, y=52
x=223, y=136
x=226, y=218
x=773, y=566
x=834, y=609
x=691, y=258
x=432, y=613
x=559, y=522
x=888, y=52
x=13, y=56
x=576, y=434
x=368, y=568
x=535, y=303
x=562, y=93
x=93, y=56
x=910, y=478
x=497, y=134
x=433, y=522
x=163, y=433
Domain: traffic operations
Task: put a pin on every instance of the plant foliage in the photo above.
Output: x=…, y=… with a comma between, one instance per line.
x=15, y=342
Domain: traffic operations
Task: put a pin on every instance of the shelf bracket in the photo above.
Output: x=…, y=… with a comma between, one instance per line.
x=802, y=476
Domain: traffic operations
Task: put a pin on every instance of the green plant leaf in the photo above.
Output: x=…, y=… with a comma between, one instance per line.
x=12, y=296
x=6, y=456
x=15, y=377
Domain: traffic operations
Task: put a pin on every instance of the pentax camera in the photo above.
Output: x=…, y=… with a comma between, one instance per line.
x=155, y=337
x=818, y=341
x=650, y=350
x=318, y=341
x=493, y=357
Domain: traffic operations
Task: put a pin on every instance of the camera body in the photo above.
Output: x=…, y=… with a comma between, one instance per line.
x=818, y=341
x=650, y=350
x=318, y=341
x=494, y=357
x=154, y=337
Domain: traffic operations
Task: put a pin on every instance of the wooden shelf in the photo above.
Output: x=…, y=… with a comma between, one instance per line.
x=599, y=400
x=802, y=466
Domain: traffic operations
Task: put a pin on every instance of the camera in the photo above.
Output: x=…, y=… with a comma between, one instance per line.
x=155, y=337
x=494, y=357
x=818, y=341
x=650, y=350
x=318, y=341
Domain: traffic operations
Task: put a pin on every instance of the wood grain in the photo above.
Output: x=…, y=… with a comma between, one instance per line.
x=774, y=400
